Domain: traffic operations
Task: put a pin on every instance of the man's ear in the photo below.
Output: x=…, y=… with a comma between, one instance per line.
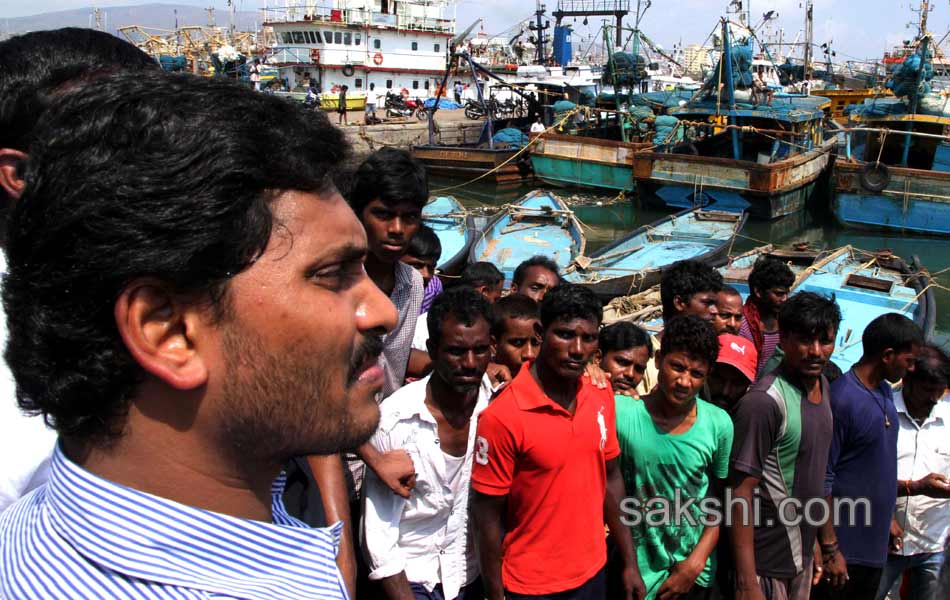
x=10, y=181
x=161, y=333
x=657, y=359
x=679, y=304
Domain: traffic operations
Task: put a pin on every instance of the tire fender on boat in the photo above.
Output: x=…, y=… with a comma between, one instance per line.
x=348, y=70
x=874, y=177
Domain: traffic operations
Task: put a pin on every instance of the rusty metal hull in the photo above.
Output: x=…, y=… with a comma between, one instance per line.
x=468, y=162
x=766, y=191
x=572, y=160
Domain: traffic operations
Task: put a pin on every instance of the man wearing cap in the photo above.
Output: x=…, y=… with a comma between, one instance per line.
x=733, y=372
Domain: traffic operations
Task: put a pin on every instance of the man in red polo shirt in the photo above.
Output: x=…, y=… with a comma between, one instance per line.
x=546, y=476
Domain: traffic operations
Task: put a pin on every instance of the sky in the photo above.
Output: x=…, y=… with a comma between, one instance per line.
x=858, y=29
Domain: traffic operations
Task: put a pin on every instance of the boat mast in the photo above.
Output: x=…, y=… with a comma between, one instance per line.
x=809, y=36
x=730, y=87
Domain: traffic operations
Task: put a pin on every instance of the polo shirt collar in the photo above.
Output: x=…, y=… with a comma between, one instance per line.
x=529, y=395
x=937, y=413
x=146, y=537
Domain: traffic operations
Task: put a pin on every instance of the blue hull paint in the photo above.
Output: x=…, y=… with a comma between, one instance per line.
x=758, y=206
x=871, y=211
x=455, y=230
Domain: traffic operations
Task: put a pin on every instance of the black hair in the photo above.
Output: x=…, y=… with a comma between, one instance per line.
x=425, y=244
x=831, y=371
x=890, y=330
x=166, y=176
x=567, y=302
x=465, y=304
x=932, y=365
x=514, y=306
x=481, y=273
x=692, y=335
x=624, y=336
x=809, y=314
x=684, y=279
x=33, y=64
x=769, y=272
x=391, y=175
x=730, y=291
x=521, y=270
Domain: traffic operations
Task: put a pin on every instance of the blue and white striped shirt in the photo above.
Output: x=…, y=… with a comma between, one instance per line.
x=82, y=536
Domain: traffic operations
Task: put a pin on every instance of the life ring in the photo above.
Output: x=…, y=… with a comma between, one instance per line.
x=315, y=55
x=378, y=58
x=348, y=70
x=874, y=177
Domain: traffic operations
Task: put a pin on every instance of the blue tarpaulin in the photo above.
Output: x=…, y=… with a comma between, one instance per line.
x=511, y=136
x=444, y=104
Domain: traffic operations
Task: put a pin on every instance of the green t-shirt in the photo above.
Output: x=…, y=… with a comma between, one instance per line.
x=656, y=464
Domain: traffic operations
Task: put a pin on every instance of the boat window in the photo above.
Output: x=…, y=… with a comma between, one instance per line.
x=426, y=84
x=357, y=40
x=309, y=35
x=286, y=37
x=328, y=37
x=389, y=84
x=415, y=46
x=348, y=38
x=435, y=47
x=376, y=44
x=337, y=37
x=316, y=36
x=358, y=83
x=415, y=85
x=298, y=37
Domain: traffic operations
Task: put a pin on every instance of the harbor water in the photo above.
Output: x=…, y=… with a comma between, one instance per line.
x=607, y=218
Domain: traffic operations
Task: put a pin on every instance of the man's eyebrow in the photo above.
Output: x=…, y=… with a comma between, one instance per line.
x=344, y=253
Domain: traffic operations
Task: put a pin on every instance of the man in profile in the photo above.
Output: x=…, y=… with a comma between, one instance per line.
x=189, y=321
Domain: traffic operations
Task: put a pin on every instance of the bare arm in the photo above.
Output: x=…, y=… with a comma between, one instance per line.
x=397, y=587
x=683, y=575
x=488, y=513
x=632, y=581
x=742, y=536
x=331, y=481
x=419, y=364
x=394, y=468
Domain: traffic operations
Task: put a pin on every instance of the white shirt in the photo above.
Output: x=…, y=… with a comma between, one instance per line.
x=537, y=127
x=427, y=536
x=372, y=97
x=421, y=335
x=922, y=450
x=26, y=443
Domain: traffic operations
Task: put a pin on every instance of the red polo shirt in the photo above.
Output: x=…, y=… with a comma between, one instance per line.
x=552, y=466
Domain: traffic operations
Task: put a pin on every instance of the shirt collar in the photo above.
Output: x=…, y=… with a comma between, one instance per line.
x=937, y=413
x=153, y=539
x=415, y=405
x=530, y=396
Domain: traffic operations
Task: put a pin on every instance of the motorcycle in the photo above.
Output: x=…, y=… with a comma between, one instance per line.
x=398, y=107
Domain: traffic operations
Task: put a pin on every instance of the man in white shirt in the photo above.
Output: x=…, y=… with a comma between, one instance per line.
x=372, y=99
x=421, y=547
x=922, y=518
x=537, y=128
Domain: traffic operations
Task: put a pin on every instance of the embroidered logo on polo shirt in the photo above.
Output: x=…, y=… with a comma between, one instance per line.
x=481, y=450
x=603, y=427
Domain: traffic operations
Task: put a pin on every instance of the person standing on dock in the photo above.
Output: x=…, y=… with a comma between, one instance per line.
x=769, y=284
x=457, y=89
x=255, y=74
x=862, y=462
x=188, y=331
x=547, y=478
x=372, y=100
x=341, y=109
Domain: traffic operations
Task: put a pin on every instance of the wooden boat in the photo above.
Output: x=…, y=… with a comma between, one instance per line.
x=634, y=263
x=455, y=229
x=539, y=223
x=865, y=285
x=895, y=170
x=583, y=161
x=470, y=161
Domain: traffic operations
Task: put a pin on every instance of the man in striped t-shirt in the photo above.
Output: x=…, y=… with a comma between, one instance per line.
x=783, y=431
x=769, y=284
x=192, y=312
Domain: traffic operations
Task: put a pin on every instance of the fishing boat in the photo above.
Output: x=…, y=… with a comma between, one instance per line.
x=634, y=262
x=498, y=165
x=540, y=223
x=894, y=173
x=735, y=149
x=585, y=161
x=865, y=285
x=455, y=229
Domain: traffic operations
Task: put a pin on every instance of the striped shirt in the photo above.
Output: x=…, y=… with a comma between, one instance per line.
x=81, y=536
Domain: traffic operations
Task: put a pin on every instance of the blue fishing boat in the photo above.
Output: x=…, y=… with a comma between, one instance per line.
x=455, y=229
x=895, y=170
x=634, y=262
x=539, y=223
x=728, y=148
x=866, y=285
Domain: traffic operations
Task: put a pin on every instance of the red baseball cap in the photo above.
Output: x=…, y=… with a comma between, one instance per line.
x=738, y=352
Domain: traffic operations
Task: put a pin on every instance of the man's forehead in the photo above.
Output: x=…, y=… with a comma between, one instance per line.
x=396, y=206
x=537, y=272
x=577, y=323
x=314, y=223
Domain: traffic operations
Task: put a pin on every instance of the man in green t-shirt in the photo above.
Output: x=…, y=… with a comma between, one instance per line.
x=674, y=448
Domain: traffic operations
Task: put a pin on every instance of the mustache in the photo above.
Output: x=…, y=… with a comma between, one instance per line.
x=368, y=350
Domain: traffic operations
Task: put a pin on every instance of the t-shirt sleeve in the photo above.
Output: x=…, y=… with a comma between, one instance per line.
x=724, y=439
x=612, y=447
x=495, y=455
x=757, y=421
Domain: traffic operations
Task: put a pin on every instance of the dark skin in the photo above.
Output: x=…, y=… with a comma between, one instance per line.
x=536, y=283
x=461, y=357
x=425, y=265
x=729, y=314
x=805, y=357
x=727, y=385
x=625, y=368
x=328, y=472
x=389, y=228
x=518, y=343
x=566, y=348
x=769, y=301
x=672, y=406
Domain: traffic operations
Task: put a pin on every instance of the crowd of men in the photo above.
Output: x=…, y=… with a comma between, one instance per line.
x=233, y=372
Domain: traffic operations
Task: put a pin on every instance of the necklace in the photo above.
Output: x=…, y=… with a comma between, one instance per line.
x=881, y=405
